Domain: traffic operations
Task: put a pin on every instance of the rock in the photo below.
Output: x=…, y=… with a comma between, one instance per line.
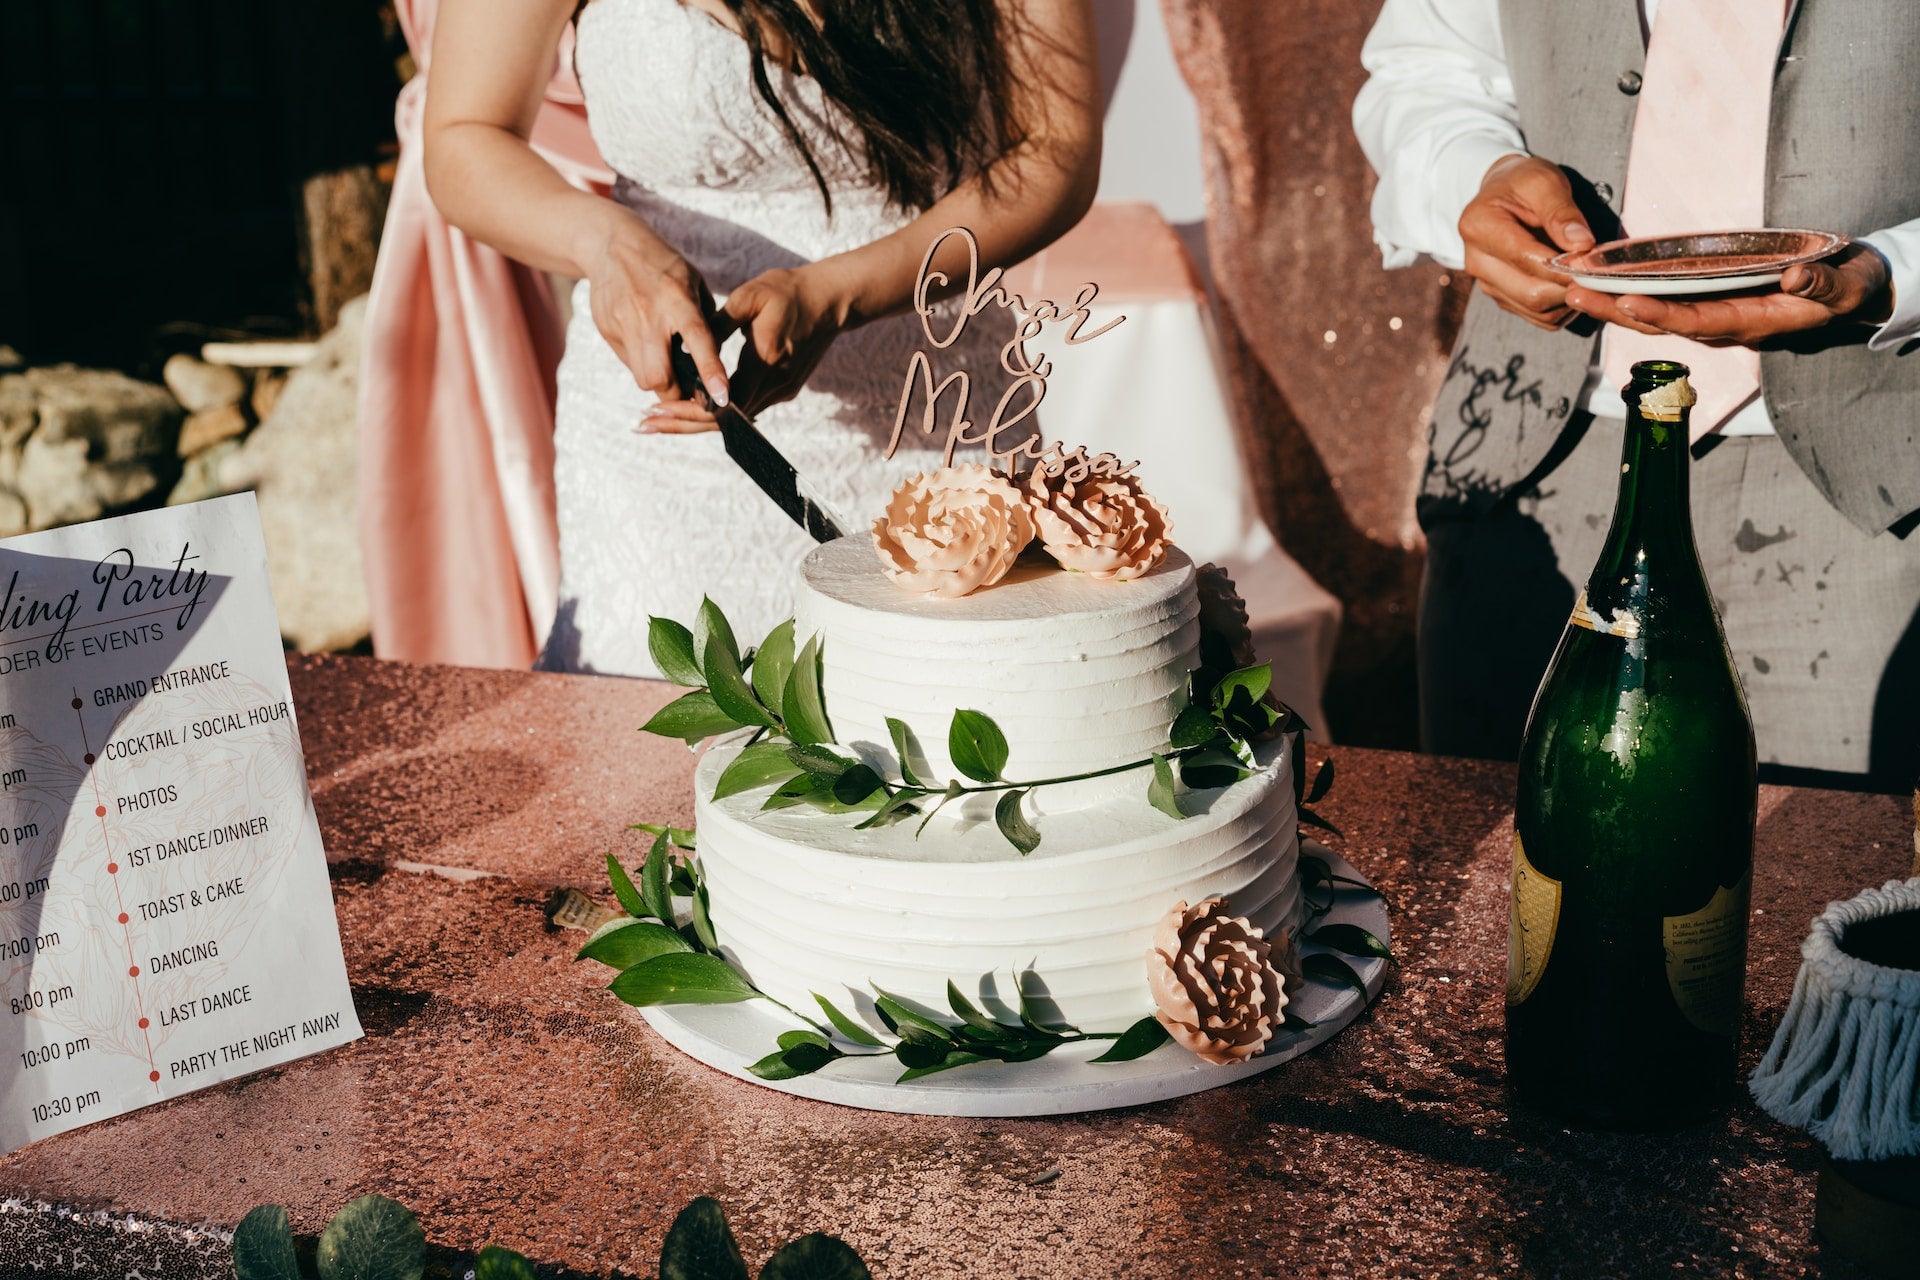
x=200, y=478
x=206, y=427
x=300, y=463
x=13, y=513
x=100, y=442
x=266, y=391
x=198, y=385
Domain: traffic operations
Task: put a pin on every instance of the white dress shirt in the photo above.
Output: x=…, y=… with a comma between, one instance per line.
x=1438, y=109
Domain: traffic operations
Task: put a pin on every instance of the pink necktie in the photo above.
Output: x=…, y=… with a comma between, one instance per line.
x=1698, y=162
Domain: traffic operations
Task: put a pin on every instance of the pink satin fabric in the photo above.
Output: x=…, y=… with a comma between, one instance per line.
x=457, y=524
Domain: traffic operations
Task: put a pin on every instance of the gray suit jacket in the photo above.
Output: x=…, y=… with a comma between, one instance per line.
x=1843, y=154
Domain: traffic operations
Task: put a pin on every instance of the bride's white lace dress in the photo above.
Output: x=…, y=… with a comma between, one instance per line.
x=651, y=523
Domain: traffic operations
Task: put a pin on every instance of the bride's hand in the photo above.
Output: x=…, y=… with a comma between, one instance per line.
x=642, y=294
x=790, y=317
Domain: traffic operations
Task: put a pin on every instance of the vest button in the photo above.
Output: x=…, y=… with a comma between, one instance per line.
x=1561, y=406
x=1604, y=191
x=1629, y=82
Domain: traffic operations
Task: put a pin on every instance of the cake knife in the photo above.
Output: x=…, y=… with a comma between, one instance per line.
x=765, y=465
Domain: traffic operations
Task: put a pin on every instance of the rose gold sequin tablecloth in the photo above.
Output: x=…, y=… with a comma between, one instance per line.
x=501, y=1093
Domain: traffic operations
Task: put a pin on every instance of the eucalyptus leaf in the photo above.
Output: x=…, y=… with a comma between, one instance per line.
x=804, y=713
x=681, y=837
x=976, y=745
x=815, y=1257
x=846, y=1026
x=671, y=645
x=755, y=766
x=625, y=943
x=654, y=878
x=1160, y=793
x=681, y=978
x=710, y=625
x=703, y=920
x=1322, y=782
x=623, y=889
x=773, y=664
x=263, y=1246
x=495, y=1263
x=372, y=1238
x=1331, y=968
x=700, y=1245
x=793, y=1061
x=1193, y=727
x=1137, y=1041
x=946, y=1062
x=691, y=717
x=729, y=686
x=1013, y=823
x=1353, y=940
x=906, y=747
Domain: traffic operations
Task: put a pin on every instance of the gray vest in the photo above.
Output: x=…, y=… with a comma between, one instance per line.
x=1843, y=154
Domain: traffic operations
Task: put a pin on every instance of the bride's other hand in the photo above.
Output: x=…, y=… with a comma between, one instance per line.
x=790, y=316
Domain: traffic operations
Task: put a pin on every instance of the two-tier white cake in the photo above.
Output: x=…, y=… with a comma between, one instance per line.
x=1082, y=675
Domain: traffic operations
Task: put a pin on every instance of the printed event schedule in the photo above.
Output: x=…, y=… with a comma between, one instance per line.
x=166, y=921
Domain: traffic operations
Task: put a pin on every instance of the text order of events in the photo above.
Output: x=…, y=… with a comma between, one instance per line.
x=166, y=921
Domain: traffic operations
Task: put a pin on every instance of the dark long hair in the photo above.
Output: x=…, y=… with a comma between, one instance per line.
x=927, y=84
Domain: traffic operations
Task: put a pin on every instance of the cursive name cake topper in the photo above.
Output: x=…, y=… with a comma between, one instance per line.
x=1030, y=372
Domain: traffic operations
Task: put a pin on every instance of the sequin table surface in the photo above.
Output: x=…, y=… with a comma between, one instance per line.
x=506, y=1097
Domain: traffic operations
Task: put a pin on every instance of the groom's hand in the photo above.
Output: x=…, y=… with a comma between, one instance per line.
x=1524, y=215
x=1852, y=287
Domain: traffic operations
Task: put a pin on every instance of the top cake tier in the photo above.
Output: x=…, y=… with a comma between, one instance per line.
x=1080, y=674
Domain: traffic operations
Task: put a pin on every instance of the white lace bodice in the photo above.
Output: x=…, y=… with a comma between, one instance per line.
x=648, y=524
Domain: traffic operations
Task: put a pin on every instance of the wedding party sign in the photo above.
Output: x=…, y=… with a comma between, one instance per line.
x=166, y=921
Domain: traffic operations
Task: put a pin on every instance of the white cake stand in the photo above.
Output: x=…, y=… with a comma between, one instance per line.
x=730, y=1036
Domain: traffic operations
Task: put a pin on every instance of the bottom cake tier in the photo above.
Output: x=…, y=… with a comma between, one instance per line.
x=802, y=903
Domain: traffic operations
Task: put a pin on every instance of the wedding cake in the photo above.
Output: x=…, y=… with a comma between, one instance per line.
x=1087, y=675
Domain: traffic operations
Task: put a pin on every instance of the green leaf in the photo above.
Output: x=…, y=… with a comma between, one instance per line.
x=815, y=1257
x=625, y=943
x=977, y=746
x=821, y=763
x=846, y=1026
x=671, y=645
x=372, y=1238
x=1211, y=767
x=263, y=1246
x=1160, y=792
x=969, y=1013
x=1322, y=782
x=795, y=1060
x=709, y=625
x=1193, y=727
x=773, y=663
x=702, y=920
x=1253, y=681
x=903, y=1016
x=1013, y=823
x=700, y=1245
x=730, y=689
x=681, y=978
x=1312, y=819
x=630, y=900
x=946, y=1062
x=804, y=712
x=681, y=837
x=654, y=878
x=495, y=1263
x=953, y=789
x=856, y=784
x=1331, y=968
x=898, y=806
x=1352, y=939
x=691, y=717
x=1137, y=1041
x=907, y=748
x=755, y=766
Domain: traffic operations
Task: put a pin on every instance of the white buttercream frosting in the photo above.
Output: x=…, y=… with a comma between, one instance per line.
x=1080, y=674
x=803, y=903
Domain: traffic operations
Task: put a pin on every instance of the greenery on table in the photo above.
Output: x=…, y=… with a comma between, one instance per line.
x=774, y=691
x=375, y=1238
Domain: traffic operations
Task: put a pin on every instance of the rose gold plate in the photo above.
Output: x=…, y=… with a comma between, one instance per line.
x=1704, y=262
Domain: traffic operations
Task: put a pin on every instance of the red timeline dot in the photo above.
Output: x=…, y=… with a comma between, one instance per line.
x=77, y=704
x=133, y=971
x=154, y=1076
x=88, y=757
x=143, y=1024
x=99, y=811
x=113, y=868
x=123, y=917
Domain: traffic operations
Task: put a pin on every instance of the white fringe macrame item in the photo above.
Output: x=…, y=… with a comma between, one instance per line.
x=1845, y=1064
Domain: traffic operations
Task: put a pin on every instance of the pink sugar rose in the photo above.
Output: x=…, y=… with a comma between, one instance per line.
x=952, y=531
x=1213, y=979
x=1103, y=526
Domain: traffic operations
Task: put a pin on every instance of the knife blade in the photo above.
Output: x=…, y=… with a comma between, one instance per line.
x=754, y=454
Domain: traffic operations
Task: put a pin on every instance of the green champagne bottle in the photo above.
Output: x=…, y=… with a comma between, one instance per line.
x=1633, y=832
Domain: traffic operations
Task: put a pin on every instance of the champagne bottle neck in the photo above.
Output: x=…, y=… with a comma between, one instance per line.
x=1650, y=545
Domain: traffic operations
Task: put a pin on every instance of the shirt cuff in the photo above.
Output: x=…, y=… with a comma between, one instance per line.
x=1900, y=247
x=1458, y=168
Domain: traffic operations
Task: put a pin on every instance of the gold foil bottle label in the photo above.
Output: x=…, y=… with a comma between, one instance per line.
x=1625, y=623
x=1531, y=926
x=1707, y=958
